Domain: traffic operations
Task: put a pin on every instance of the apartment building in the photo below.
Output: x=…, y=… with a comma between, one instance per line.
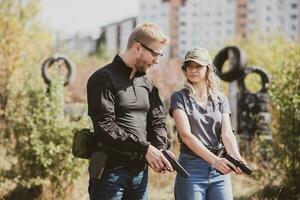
x=116, y=35
x=290, y=19
x=209, y=23
x=206, y=23
x=268, y=18
x=157, y=11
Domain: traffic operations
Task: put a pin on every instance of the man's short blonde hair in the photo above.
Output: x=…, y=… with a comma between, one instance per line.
x=146, y=33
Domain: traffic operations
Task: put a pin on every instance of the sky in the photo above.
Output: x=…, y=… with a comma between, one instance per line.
x=85, y=16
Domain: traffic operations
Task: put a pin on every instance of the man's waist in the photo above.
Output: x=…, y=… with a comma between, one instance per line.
x=116, y=161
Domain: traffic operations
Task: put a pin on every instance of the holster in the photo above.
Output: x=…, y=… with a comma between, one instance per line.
x=97, y=164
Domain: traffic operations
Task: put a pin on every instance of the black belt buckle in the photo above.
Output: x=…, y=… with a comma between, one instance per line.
x=214, y=150
x=217, y=150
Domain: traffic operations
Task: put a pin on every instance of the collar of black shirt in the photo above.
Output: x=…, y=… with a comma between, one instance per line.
x=125, y=68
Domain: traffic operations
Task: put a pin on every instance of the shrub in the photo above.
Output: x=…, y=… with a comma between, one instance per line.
x=43, y=133
x=285, y=95
x=281, y=157
x=35, y=132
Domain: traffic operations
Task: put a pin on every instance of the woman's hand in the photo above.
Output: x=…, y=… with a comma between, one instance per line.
x=222, y=165
x=239, y=171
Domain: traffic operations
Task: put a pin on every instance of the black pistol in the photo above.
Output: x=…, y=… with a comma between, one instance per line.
x=176, y=166
x=246, y=169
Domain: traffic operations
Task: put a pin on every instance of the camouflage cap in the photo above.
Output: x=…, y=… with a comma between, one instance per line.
x=198, y=55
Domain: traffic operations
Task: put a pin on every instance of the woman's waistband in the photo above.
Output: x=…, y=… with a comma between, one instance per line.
x=217, y=150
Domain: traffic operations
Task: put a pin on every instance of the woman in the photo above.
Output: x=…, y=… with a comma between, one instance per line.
x=201, y=114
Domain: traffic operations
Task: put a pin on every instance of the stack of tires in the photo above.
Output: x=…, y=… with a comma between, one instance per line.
x=253, y=117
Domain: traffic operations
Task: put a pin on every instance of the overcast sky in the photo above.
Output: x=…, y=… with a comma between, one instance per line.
x=86, y=16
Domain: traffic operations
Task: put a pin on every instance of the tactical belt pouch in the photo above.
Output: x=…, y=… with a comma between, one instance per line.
x=85, y=146
x=83, y=143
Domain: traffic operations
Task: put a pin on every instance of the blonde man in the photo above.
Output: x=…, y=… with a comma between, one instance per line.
x=128, y=118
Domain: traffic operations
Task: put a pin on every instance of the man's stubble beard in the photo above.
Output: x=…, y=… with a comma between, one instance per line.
x=141, y=65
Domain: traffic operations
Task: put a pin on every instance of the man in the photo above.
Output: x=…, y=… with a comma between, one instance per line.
x=128, y=118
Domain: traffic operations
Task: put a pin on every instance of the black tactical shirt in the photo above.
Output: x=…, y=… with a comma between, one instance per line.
x=127, y=114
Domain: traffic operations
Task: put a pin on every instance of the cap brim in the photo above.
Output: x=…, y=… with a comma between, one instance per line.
x=197, y=61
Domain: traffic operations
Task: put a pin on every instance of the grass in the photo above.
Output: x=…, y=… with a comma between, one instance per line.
x=161, y=185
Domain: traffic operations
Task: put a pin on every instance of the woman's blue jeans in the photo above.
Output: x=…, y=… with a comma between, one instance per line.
x=117, y=184
x=204, y=182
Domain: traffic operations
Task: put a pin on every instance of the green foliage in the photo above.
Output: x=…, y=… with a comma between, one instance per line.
x=34, y=130
x=101, y=49
x=281, y=60
x=43, y=132
x=23, y=42
x=285, y=95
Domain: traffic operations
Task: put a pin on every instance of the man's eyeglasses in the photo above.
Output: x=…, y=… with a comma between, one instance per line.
x=154, y=53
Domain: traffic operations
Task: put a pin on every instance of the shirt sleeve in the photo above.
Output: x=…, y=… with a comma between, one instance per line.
x=224, y=105
x=176, y=102
x=156, y=122
x=101, y=102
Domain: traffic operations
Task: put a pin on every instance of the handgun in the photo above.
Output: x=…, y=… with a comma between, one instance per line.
x=176, y=166
x=246, y=169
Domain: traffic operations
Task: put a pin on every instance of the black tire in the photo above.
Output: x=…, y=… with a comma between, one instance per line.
x=237, y=69
x=50, y=61
x=263, y=75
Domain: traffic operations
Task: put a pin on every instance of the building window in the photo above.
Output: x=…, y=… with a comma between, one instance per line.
x=294, y=5
x=242, y=6
x=294, y=27
x=294, y=16
x=242, y=25
x=242, y=15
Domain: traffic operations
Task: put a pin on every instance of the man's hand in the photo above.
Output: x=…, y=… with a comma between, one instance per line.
x=157, y=160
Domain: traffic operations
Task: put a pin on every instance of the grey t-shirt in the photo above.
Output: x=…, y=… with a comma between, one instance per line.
x=205, y=123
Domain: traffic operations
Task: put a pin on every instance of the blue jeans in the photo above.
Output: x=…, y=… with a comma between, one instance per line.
x=204, y=182
x=119, y=184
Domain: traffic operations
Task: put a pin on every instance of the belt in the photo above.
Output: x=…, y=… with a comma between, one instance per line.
x=138, y=167
x=217, y=150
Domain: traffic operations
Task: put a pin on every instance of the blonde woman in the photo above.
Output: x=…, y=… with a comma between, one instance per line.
x=201, y=114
